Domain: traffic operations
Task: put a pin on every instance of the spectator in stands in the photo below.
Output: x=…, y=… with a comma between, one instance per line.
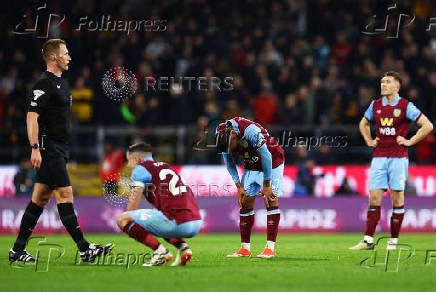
x=307, y=100
x=82, y=101
x=345, y=189
x=410, y=188
x=24, y=178
x=110, y=172
x=153, y=114
x=305, y=181
x=232, y=109
x=265, y=108
x=139, y=108
x=426, y=149
x=291, y=113
x=324, y=156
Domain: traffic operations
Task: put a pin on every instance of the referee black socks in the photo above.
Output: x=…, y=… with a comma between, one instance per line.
x=28, y=222
x=69, y=219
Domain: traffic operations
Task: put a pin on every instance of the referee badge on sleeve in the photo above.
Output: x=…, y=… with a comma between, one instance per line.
x=37, y=93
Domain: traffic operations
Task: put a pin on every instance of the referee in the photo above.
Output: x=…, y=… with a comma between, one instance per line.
x=49, y=132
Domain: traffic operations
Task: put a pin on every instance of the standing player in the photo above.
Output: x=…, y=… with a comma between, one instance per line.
x=392, y=116
x=263, y=173
x=176, y=215
x=49, y=131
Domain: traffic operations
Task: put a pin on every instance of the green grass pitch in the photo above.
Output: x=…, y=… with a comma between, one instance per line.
x=304, y=262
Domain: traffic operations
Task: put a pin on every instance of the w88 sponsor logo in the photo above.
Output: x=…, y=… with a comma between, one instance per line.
x=387, y=131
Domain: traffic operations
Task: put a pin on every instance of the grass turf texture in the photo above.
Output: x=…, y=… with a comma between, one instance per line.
x=314, y=262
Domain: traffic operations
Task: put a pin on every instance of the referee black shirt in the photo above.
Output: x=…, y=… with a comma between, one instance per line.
x=51, y=99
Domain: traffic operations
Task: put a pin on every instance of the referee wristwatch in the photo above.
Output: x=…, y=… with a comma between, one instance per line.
x=34, y=146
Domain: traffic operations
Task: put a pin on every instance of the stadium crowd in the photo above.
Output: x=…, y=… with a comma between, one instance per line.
x=292, y=62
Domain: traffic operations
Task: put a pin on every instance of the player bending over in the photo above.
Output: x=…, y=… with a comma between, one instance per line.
x=392, y=116
x=263, y=174
x=176, y=215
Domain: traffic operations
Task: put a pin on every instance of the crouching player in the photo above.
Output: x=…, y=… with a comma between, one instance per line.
x=263, y=175
x=176, y=215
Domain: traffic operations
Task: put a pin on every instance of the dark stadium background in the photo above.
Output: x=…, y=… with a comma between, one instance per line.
x=303, y=67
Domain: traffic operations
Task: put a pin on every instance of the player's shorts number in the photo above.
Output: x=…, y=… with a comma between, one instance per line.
x=174, y=190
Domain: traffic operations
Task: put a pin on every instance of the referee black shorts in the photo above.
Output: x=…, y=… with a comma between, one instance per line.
x=53, y=169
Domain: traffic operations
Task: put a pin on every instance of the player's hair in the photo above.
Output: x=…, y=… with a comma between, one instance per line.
x=51, y=46
x=140, y=148
x=394, y=75
x=223, y=140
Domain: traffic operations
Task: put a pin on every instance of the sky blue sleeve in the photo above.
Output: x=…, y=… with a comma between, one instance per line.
x=140, y=176
x=231, y=166
x=254, y=136
x=412, y=112
x=265, y=155
x=369, y=114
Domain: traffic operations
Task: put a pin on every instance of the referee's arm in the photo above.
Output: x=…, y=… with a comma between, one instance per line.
x=37, y=103
x=32, y=134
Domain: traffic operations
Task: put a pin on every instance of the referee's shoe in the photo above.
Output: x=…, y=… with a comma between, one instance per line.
x=95, y=250
x=20, y=256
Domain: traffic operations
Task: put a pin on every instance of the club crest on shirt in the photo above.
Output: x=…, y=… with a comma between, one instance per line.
x=397, y=112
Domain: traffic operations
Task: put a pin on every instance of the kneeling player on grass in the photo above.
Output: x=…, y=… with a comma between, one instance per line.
x=263, y=174
x=176, y=215
x=392, y=116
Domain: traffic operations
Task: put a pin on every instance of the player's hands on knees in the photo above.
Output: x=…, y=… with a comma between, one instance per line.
x=241, y=194
x=403, y=141
x=35, y=158
x=373, y=143
x=268, y=192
